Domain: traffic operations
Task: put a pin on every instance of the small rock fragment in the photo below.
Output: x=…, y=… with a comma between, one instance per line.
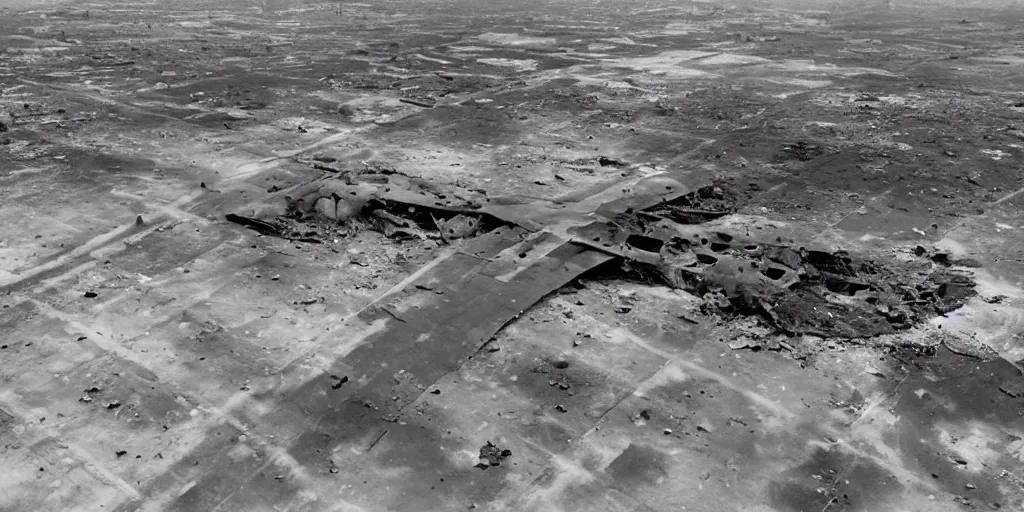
x=605, y=161
x=491, y=455
x=743, y=343
x=338, y=381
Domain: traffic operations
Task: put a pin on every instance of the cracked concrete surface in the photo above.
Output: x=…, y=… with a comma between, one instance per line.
x=154, y=356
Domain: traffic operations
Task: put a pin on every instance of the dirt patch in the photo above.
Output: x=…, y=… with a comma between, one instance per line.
x=833, y=480
x=638, y=465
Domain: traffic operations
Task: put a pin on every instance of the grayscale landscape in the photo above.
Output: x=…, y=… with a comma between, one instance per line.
x=559, y=255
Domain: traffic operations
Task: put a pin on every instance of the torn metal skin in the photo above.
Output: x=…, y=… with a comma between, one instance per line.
x=794, y=288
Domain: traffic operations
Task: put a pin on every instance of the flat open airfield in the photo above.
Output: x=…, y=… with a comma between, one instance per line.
x=527, y=256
